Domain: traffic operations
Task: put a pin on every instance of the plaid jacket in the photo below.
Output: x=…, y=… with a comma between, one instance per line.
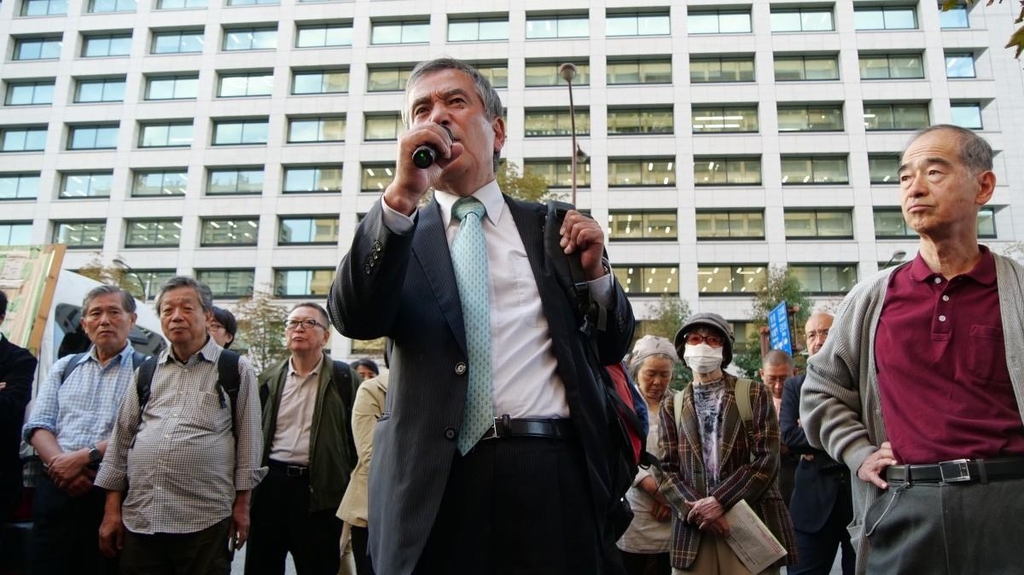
x=742, y=476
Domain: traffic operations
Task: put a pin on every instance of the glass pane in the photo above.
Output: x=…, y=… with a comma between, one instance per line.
x=799, y=224
x=623, y=73
x=698, y=23
x=910, y=117
x=883, y=169
x=789, y=69
x=960, y=66
x=966, y=116
x=785, y=22
x=624, y=174
x=817, y=21
x=878, y=118
x=792, y=119
x=822, y=68
x=227, y=133
x=830, y=171
x=890, y=224
x=796, y=171
x=494, y=30
x=656, y=72
x=874, y=67
x=303, y=130
x=986, y=223
x=734, y=23
x=955, y=17
x=870, y=19
x=264, y=40
x=660, y=226
x=573, y=27
x=835, y=224
x=900, y=19
x=906, y=67
x=653, y=25
x=621, y=26
x=463, y=31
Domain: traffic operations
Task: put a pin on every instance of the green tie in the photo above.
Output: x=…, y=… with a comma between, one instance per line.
x=469, y=258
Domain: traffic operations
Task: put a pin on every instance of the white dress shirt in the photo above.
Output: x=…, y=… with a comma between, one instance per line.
x=526, y=383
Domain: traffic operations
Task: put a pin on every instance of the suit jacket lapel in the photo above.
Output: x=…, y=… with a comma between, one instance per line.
x=430, y=247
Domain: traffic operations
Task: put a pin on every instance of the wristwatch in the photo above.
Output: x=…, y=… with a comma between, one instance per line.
x=95, y=455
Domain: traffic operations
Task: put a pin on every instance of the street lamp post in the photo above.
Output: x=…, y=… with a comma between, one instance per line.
x=119, y=262
x=897, y=256
x=568, y=73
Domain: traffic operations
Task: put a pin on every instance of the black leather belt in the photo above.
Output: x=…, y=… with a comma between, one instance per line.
x=958, y=471
x=288, y=469
x=550, y=428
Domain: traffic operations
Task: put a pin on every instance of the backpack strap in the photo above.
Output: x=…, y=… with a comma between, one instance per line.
x=229, y=381
x=743, y=401
x=677, y=407
x=137, y=358
x=72, y=365
x=343, y=382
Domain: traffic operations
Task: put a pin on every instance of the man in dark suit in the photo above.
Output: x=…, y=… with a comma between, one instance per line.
x=821, y=504
x=17, y=370
x=531, y=493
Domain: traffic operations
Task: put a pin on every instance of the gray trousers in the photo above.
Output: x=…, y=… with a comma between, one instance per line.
x=947, y=529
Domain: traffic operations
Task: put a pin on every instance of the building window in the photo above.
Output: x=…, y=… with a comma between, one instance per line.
x=166, y=135
x=960, y=65
x=172, y=87
x=825, y=279
x=564, y=26
x=639, y=72
x=710, y=70
x=241, y=85
x=86, y=185
x=148, y=282
x=147, y=184
x=829, y=224
x=19, y=186
x=99, y=6
x=891, y=67
x=718, y=21
x=966, y=115
x=101, y=137
x=538, y=123
x=101, y=90
x=987, y=223
x=730, y=279
x=412, y=32
x=814, y=170
x=251, y=2
x=228, y=283
x=496, y=74
x=558, y=173
x=880, y=117
x=250, y=39
x=955, y=17
x=727, y=171
x=309, y=230
x=180, y=4
x=320, y=82
x=37, y=48
x=718, y=119
x=303, y=283
x=15, y=233
x=23, y=139
x=387, y=79
x=642, y=225
x=648, y=280
x=239, y=132
x=44, y=7
x=889, y=224
x=884, y=168
x=546, y=74
x=655, y=172
x=234, y=181
x=806, y=68
x=632, y=121
x=326, y=129
x=376, y=177
x=730, y=225
x=818, y=118
x=29, y=93
x=79, y=235
x=803, y=20
x=152, y=233
x=324, y=36
x=177, y=42
x=107, y=45
x=477, y=29
x=885, y=18
x=379, y=127
x=229, y=231
x=312, y=180
x=638, y=24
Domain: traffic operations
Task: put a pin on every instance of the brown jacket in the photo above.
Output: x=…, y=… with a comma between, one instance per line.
x=742, y=477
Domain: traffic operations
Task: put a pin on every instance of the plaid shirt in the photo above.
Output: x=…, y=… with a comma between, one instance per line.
x=80, y=411
x=186, y=464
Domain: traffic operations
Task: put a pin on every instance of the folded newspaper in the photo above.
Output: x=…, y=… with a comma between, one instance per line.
x=751, y=540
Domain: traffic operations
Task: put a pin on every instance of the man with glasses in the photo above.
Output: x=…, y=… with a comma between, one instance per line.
x=307, y=401
x=820, y=506
x=776, y=367
x=919, y=388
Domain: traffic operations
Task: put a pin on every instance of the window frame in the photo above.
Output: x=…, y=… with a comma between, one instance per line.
x=645, y=223
x=562, y=122
x=323, y=73
x=668, y=161
x=549, y=69
x=323, y=127
x=889, y=57
x=344, y=41
x=117, y=8
x=552, y=169
x=803, y=59
x=103, y=83
x=728, y=162
x=46, y=45
x=729, y=213
x=97, y=226
x=29, y=134
x=721, y=71
x=891, y=109
x=694, y=12
x=236, y=172
x=261, y=78
x=115, y=45
x=207, y=238
x=814, y=160
x=184, y=38
x=623, y=273
x=639, y=17
x=479, y=21
x=569, y=20
x=102, y=130
x=27, y=8
x=413, y=26
x=312, y=220
x=256, y=35
x=262, y=125
x=17, y=180
x=193, y=82
x=173, y=222
x=724, y=112
x=816, y=215
x=95, y=177
x=8, y=239
x=809, y=110
x=244, y=290
x=138, y=176
x=317, y=175
x=643, y=76
x=885, y=10
x=169, y=127
x=310, y=282
x=34, y=86
x=736, y=274
x=961, y=55
x=796, y=268
x=801, y=11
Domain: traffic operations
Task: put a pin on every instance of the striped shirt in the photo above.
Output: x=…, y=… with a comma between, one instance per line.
x=186, y=464
x=80, y=411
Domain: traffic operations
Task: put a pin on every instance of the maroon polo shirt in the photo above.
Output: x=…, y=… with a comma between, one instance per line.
x=945, y=388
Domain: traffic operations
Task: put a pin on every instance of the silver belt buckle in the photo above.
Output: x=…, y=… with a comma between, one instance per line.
x=954, y=471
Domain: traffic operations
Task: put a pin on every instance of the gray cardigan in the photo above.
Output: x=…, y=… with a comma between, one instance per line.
x=840, y=408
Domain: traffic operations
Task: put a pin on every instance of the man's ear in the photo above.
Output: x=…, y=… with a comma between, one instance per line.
x=498, y=125
x=986, y=187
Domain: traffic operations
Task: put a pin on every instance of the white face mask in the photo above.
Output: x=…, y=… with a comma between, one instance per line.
x=703, y=358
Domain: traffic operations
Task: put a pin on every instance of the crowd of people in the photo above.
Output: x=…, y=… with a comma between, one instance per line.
x=488, y=445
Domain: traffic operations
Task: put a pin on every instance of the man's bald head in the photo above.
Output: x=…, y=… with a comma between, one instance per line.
x=816, y=331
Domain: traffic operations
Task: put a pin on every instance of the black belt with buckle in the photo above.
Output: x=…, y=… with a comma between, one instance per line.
x=958, y=471
x=505, y=426
x=288, y=469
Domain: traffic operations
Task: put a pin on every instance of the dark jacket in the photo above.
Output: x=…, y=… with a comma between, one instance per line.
x=17, y=370
x=331, y=452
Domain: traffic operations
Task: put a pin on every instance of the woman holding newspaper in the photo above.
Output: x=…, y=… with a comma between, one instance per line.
x=720, y=442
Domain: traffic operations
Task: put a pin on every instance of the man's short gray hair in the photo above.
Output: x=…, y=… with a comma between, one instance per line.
x=127, y=300
x=973, y=150
x=778, y=357
x=319, y=308
x=202, y=290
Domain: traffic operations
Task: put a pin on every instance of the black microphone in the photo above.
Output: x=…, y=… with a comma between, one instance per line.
x=425, y=155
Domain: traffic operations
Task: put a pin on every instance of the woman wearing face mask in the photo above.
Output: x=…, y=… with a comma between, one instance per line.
x=645, y=544
x=712, y=461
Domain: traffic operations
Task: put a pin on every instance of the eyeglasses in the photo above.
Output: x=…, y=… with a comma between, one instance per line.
x=775, y=378
x=291, y=324
x=694, y=338
x=214, y=326
x=822, y=333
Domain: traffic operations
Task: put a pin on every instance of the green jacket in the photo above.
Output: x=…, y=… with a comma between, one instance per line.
x=331, y=450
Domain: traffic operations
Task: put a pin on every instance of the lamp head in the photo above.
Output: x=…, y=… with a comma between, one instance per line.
x=568, y=72
x=898, y=255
